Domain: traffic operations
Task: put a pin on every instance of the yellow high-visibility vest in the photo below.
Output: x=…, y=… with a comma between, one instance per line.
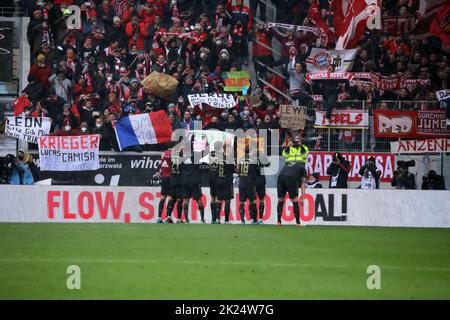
x=296, y=154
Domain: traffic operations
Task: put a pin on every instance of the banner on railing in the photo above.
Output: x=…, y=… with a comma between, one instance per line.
x=293, y=27
x=215, y=100
x=28, y=129
x=318, y=162
x=410, y=124
x=378, y=81
x=343, y=119
x=443, y=94
x=329, y=76
x=69, y=153
x=419, y=146
x=319, y=59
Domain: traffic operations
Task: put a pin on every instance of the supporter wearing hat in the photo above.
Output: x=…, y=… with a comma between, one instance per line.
x=83, y=129
x=41, y=70
x=225, y=61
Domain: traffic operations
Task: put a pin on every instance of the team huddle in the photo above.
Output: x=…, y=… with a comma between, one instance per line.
x=181, y=172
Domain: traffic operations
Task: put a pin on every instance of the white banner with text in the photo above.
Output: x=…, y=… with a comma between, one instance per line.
x=343, y=207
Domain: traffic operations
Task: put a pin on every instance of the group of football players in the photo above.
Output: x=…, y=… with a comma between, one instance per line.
x=181, y=172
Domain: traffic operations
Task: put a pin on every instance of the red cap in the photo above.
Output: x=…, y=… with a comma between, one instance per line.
x=158, y=51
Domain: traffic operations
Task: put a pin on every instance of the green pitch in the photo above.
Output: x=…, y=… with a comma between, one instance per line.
x=149, y=261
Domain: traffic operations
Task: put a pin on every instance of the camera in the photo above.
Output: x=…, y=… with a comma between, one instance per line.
x=6, y=165
x=406, y=164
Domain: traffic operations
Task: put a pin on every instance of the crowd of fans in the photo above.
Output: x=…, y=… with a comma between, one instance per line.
x=87, y=78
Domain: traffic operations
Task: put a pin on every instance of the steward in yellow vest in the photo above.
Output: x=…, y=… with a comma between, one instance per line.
x=297, y=151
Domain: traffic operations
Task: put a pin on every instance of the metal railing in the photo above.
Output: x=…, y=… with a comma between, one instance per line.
x=357, y=140
x=13, y=12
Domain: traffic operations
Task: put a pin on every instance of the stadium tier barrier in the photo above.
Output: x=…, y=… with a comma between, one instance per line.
x=381, y=208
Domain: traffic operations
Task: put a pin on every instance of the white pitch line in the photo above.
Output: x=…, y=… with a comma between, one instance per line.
x=236, y=263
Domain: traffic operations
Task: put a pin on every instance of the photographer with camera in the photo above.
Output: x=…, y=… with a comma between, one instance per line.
x=370, y=176
x=433, y=181
x=403, y=179
x=20, y=169
x=338, y=171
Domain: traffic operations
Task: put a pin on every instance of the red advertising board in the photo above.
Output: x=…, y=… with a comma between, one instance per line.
x=319, y=161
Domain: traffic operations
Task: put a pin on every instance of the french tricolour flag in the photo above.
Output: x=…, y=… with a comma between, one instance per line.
x=146, y=128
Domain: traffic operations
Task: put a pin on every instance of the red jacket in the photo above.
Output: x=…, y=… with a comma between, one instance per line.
x=142, y=33
x=41, y=74
x=20, y=104
x=147, y=17
x=278, y=83
x=265, y=38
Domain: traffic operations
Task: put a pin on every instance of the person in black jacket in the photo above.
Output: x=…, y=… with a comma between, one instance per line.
x=338, y=171
x=433, y=181
x=403, y=179
x=329, y=92
x=34, y=90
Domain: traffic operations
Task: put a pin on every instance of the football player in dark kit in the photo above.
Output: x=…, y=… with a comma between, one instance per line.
x=191, y=179
x=250, y=182
x=176, y=188
x=291, y=177
x=215, y=157
x=247, y=166
x=259, y=181
x=163, y=173
x=224, y=182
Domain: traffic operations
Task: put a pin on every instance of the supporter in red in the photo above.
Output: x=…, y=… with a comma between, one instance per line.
x=159, y=6
x=198, y=36
x=287, y=41
x=129, y=12
x=148, y=13
x=277, y=82
x=261, y=46
x=67, y=129
x=41, y=70
x=113, y=104
x=137, y=32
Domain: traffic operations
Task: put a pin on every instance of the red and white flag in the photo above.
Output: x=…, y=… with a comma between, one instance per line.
x=325, y=33
x=359, y=15
x=441, y=24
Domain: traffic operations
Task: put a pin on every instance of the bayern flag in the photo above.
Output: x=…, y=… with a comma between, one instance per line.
x=146, y=128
